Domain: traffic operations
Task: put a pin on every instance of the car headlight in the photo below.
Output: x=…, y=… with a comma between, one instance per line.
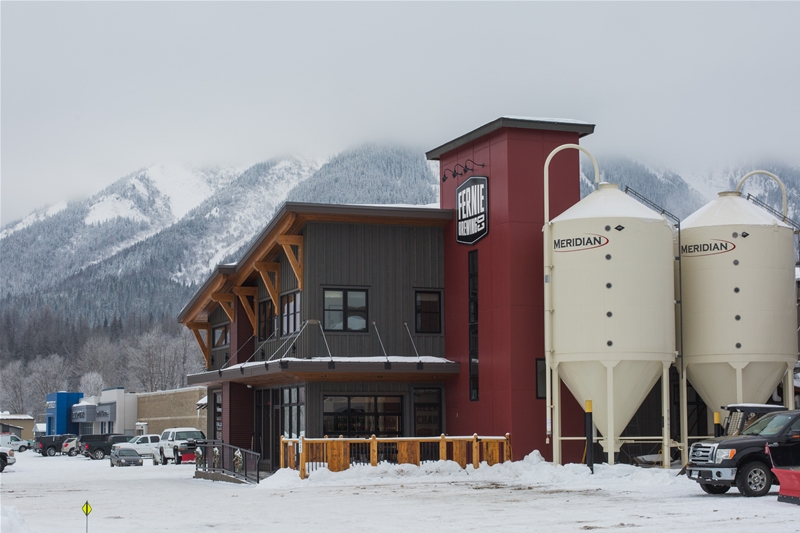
x=11, y=453
x=724, y=454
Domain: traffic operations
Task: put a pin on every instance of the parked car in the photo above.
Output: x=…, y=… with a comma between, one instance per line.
x=99, y=448
x=6, y=457
x=125, y=457
x=145, y=445
x=70, y=447
x=177, y=443
x=49, y=445
x=9, y=440
x=740, y=460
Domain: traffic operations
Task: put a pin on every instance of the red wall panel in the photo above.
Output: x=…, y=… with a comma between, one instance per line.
x=510, y=294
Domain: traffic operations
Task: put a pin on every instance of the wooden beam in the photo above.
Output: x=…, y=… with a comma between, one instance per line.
x=225, y=301
x=264, y=269
x=287, y=241
x=196, y=327
x=243, y=293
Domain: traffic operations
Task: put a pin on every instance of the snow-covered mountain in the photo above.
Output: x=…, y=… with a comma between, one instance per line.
x=143, y=244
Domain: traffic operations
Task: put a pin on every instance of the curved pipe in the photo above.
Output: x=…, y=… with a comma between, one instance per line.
x=765, y=173
x=548, y=295
x=547, y=174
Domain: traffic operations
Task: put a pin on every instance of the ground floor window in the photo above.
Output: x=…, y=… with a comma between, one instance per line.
x=294, y=412
x=362, y=416
x=85, y=428
x=427, y=412
x=278, y=412
x=217, y=416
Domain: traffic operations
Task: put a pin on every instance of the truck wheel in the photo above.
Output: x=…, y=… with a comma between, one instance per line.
x=99, y=453
x=176, y=456
x=22, y=449
x=111, y=463
x=73, y=452
x=51, y=451
x=714, y=489
x=163, y=458
x=2, y=464
x=754, y=479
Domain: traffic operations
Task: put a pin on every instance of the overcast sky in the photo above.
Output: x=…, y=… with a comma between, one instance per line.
x=93, y=91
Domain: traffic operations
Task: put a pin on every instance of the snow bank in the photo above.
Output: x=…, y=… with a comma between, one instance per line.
x=532, y=470
x=12, y=521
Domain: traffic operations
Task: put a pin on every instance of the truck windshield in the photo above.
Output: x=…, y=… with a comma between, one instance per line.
x=183, y=435
x=769, y=425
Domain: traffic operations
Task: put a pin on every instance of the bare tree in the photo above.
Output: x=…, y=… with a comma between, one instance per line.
x=47, y=373
x=101, y=355
x=92, y=384
x=13, y=393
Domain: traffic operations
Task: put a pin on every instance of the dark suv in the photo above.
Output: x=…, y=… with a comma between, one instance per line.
x=741, y=459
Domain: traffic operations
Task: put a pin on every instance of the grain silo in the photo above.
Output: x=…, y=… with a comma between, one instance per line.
x=612, y=307
x=739, y=302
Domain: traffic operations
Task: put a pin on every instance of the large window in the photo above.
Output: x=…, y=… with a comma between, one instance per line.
x=473, y=324
x=362, y=416
x=266, y=320
x=290, y=313
x=293, y=404
x=221, y=336
x=428, y=310
x=345, y=310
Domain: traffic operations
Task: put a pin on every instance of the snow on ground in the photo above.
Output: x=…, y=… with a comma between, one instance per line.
x=45, y=494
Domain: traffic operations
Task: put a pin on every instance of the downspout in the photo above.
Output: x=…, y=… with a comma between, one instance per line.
x=548, y=296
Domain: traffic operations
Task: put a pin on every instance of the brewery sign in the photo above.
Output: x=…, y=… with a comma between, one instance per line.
x=472, y=210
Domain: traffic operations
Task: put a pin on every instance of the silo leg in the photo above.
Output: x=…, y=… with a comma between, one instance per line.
x=611, y=440
x=684, y=418
x=788, y=388
x=666, y=458
x=556, y=417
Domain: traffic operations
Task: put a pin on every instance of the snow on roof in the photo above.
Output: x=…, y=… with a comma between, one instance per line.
x=370, y=359
x=540, y=119
x=202, y=401
x=7, y=416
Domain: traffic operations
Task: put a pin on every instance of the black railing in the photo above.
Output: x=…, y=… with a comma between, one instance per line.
x=216, y=456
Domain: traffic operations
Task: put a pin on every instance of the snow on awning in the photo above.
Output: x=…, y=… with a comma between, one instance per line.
x=202, y=403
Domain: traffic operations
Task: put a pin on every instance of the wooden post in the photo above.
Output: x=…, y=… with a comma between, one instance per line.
x=373, y=451
x=476, y=451
x=491, y=452
x=408, y=452
x=443, y=448
x=507, y=455
x=283, y=461
x=292, y=460
x=460, y=453
x=303, y=452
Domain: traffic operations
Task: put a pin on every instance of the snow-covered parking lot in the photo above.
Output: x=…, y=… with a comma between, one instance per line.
x=45, y=495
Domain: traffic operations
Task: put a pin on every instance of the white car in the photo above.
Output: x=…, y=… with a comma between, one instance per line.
x=177, y=443
x=15, y=443
x=6, y=457
x=143, y=444
x=70, y=447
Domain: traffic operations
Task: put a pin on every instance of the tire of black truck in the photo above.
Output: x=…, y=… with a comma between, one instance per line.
x=51, y=451
x=2, y=464
x=714, y=489
x=754, y=479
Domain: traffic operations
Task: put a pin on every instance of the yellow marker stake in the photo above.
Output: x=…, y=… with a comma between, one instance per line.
x=86, y=510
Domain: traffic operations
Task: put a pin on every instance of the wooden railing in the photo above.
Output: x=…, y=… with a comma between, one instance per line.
x=306, y=455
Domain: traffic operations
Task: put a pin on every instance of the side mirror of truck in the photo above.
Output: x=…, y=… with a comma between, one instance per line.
x=793, y=436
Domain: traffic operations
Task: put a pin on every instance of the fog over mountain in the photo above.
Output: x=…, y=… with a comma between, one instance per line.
x=136, y=251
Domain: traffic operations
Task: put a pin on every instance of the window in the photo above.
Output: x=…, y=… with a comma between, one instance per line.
x=290, y=313
x=363, y=416
x=472, y=259
x=266, y=320
x=293, y=405
x=220, y=336
x=427, y=412
x=541, y=379
x=428, y=311
x=345, y=310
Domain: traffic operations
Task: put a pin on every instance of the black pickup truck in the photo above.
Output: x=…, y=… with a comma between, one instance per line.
x=49, y=445
x=98, y=446
x=741, y=459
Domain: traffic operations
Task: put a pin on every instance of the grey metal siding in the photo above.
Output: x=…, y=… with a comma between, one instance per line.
x=218, y=318
x=390, y=262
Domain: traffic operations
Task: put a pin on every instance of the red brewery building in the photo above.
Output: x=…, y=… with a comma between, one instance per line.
x=396, y=321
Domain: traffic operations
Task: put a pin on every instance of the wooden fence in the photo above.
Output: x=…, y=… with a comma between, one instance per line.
x=306, y=455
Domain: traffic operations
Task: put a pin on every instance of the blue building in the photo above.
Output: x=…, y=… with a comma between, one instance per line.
x=59, y=412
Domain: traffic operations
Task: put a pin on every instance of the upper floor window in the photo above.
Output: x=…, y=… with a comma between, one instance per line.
x=290, y=313
x=428, y=312
x=345, y=310
x=221, y=336
x=266, y=320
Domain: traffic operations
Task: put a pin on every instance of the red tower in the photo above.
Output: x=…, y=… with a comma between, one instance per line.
x=494, y=246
